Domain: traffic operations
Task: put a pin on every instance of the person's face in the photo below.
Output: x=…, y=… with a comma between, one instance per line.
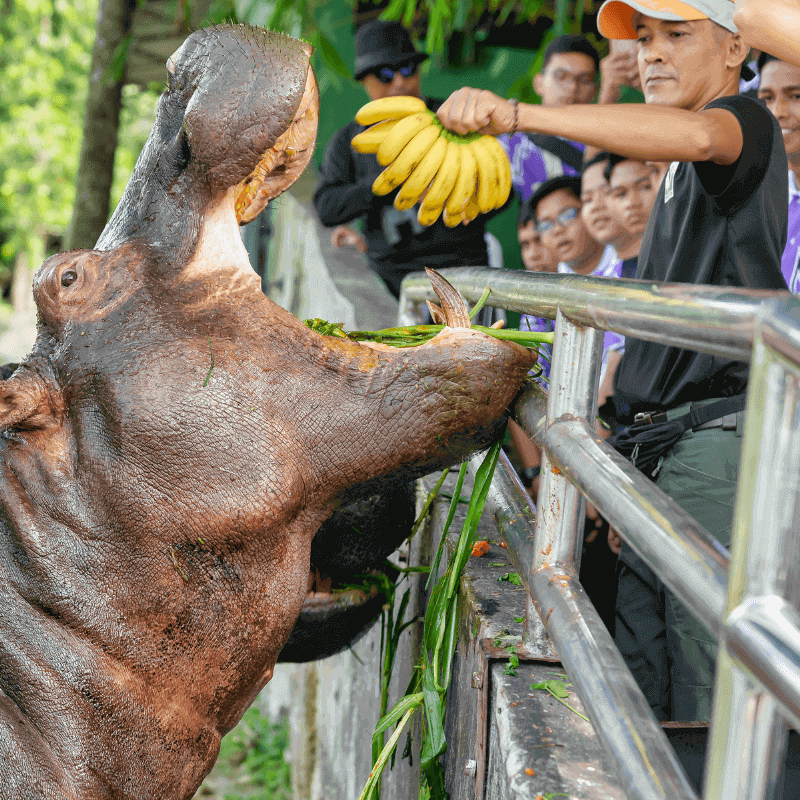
x=597, y=217
x=568, y=78
x=632, y=191
x=535, y=256
x=398, y=86
x=567, y=239
x=681, y=64
x=780, y=90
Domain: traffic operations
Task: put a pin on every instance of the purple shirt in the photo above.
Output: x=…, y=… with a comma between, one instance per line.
x=530, y=165
x=610, y=266
x=790, y=261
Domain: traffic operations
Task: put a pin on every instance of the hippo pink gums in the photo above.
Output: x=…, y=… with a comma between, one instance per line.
x=174, y=440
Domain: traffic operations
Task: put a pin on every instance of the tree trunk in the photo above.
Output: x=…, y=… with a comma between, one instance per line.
x=101, y=124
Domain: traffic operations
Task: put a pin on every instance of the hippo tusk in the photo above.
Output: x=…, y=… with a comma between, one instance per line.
x=453, y=305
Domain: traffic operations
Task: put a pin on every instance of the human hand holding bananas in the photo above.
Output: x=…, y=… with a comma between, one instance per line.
x=449, y=174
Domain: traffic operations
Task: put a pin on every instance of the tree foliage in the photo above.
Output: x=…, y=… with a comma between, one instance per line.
x=45, y=54
x=439, y=18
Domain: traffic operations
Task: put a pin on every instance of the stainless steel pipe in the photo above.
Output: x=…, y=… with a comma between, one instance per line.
x=683, y=554
x=711, y=319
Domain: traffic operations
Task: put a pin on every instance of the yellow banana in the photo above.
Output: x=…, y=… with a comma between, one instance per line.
x=471, y=210
x=408, y=159
x=451, y=220
x=422, y=175
x=442, y=185
x=488, y=181
x=503, y=170
x=369, y=141
x=388, y=108
x=402, y=133
x=466, y=184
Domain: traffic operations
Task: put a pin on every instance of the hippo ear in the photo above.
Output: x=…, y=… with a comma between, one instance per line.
x=24, y=401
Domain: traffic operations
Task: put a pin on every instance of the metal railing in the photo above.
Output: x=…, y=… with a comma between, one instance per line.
x=748, y=601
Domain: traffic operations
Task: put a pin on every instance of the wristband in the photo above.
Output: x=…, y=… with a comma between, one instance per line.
x=528, y=475
x=514, y=102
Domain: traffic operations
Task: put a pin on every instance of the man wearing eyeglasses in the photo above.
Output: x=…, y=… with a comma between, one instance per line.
x=568, y=77
x=386, y=65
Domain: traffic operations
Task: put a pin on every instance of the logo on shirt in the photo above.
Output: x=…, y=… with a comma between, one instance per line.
x=669, y=181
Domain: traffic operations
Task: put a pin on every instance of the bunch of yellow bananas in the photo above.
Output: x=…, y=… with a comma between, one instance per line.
x=457, y=176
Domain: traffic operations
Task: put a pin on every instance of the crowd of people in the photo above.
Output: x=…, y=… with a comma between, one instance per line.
x=698, y=184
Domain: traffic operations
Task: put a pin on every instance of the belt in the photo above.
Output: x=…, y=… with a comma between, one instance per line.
x=730, y=422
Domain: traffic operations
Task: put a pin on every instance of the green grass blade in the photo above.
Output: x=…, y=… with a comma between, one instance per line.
x=428, y=501
x=462, y=473
x=481, y=303
x=402, y=706
x=383, y=758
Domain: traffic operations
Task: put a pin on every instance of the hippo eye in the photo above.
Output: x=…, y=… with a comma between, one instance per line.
x=68, y=277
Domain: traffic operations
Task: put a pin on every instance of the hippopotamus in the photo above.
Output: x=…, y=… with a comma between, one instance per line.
x=174, y=440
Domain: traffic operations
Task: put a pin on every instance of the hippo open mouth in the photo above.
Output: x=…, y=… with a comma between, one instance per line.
x=283, y=163
x=174, y=441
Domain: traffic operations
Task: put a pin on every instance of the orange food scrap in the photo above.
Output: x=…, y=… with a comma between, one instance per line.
x=480, y=548
x=529, y=771
x=503, y=544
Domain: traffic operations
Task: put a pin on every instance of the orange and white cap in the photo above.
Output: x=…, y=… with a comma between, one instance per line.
x=615, y=18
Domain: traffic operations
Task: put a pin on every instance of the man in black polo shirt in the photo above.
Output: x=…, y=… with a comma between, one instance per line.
x=719, y=218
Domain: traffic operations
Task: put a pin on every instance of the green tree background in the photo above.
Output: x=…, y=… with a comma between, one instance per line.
x=45, y=54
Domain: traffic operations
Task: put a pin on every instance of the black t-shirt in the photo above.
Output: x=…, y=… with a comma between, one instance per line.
x=723, y=225
x=396, y=242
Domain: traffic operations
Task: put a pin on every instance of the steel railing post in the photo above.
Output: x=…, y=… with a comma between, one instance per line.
x=574, y=378
x=748, y=739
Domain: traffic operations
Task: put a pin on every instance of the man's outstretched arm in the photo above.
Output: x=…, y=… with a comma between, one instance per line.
x=638, y=131
x=771, y=26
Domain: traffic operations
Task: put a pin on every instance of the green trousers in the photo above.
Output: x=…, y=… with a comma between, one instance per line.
x=669, y=652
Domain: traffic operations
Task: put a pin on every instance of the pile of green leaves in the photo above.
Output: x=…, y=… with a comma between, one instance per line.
x=427, y=689
x=414, y=335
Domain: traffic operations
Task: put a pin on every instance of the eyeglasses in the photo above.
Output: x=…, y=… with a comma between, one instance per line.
x=563, y=219
x=386, y=74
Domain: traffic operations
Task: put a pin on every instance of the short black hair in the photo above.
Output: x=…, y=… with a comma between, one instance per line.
x=613, y=161
x=526, y=214
x=571, y=183
x=602, y=156
x=764, y=59
x=571, y=44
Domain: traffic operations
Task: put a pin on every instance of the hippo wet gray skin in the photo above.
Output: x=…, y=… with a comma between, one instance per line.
x=174, y=440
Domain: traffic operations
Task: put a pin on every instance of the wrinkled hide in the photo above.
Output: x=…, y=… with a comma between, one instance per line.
x=174, y=440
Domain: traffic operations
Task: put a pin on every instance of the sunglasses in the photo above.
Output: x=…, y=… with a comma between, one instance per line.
x=563, y=219
x=386, y=74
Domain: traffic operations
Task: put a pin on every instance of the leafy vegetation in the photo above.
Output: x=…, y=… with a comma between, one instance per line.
x=45, y=54
x=251, y=764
